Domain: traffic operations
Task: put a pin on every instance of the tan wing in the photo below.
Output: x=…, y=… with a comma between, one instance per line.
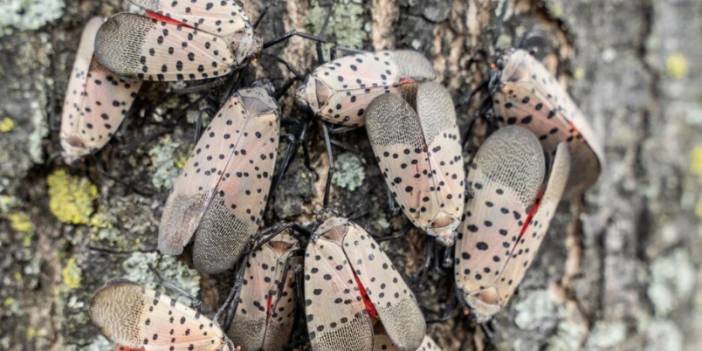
x=429, y=192
x=266, y=309
x=223, y=189
x=531, y=97
x=393, y=300
x=137, y=46
x=533, y=233
x=503, y=180
x=139, y=318
x=340, y=91
x=336, y=314
x=222, y=18
x=96, y=101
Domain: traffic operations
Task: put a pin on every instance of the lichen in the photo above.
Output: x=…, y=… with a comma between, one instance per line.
x=20, y=222
x=71, y=274
x=606, y=335
x=346, y=21
x=663, y=335
x=534, y=309
x=672, y=281
x=165, y=160
x=676, y=65
x=28, y=14
x=349, y=173
x=7, y=125
x=696, y=161
x=71, y=198
x=140, y=268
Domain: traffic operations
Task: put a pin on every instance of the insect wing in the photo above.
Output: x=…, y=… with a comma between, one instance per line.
x=265, y=313
x=139, y=318
x=531, y=97
x=223, y=189
x=222, y=18
x=532, y=234
x=96, y=101
x=420, y=158
x=393, y=300
x=504, y=179
x=137, y=46
x=340, y=91
x=337, y=318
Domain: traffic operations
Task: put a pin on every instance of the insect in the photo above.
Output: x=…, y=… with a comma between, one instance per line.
x=136, y=317
x=96, y=101
x=381, y=342
x=351, y=285
x=221, y=194
x=339, y=91
x=526, y=94
x=177, y=40
x=506, y=217
x=265, y=311
x=418, y=150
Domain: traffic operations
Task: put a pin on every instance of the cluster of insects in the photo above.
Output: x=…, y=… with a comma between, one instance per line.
x=494, y=211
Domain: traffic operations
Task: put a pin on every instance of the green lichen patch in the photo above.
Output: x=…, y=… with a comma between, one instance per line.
x=166, y=160
x=346, y=21
x=28, y=14
x=71, y=274
x=141, y=267
x=71, y=198
x=349, y=173
x=672, y=281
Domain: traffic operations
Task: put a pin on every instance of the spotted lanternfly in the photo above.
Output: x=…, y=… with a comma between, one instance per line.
x=340, y=91
x=265, y=312
x=528, y=95
x=222, y=192
x=381, y=342
x=419, y=152
x=177, y=40
x=506, y=216
x=96, y=101
x=350, y=286
x=135, y=317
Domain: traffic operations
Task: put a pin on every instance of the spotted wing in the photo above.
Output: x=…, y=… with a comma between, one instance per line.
x=137, y=46
x=531, y=97
x=504, y=179
x=428, y=191
x=96, y=101
x=265, y=313
x=336, y=314
x=139, y=318
x=532, y=232
x=393, y=300
x=340, y=91
x=382, y=342
x=222, y=18
x=223, y=189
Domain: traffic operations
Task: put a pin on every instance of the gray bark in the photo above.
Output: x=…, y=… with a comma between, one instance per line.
x=617, y=273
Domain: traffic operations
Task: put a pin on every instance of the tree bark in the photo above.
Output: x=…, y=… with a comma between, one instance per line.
x=616, y=272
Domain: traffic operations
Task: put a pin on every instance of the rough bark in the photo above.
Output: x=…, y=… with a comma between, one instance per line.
x=617, y=273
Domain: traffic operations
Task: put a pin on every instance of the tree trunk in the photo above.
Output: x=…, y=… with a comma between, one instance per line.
x=618, y=272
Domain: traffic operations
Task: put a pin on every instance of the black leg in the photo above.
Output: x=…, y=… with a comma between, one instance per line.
x=330, y=158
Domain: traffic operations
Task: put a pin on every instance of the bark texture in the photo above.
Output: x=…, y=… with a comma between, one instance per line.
x=619, y=273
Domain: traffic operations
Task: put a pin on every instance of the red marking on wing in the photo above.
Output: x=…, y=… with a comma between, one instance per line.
x=531, y=214
x=366, y=300
x=406, y=80
x=161, y=18
x=269, y=304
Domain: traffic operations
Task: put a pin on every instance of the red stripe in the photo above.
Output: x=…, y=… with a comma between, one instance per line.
x=269, y=304
x=366, y=300
x=161, y=18
x=531, y=214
